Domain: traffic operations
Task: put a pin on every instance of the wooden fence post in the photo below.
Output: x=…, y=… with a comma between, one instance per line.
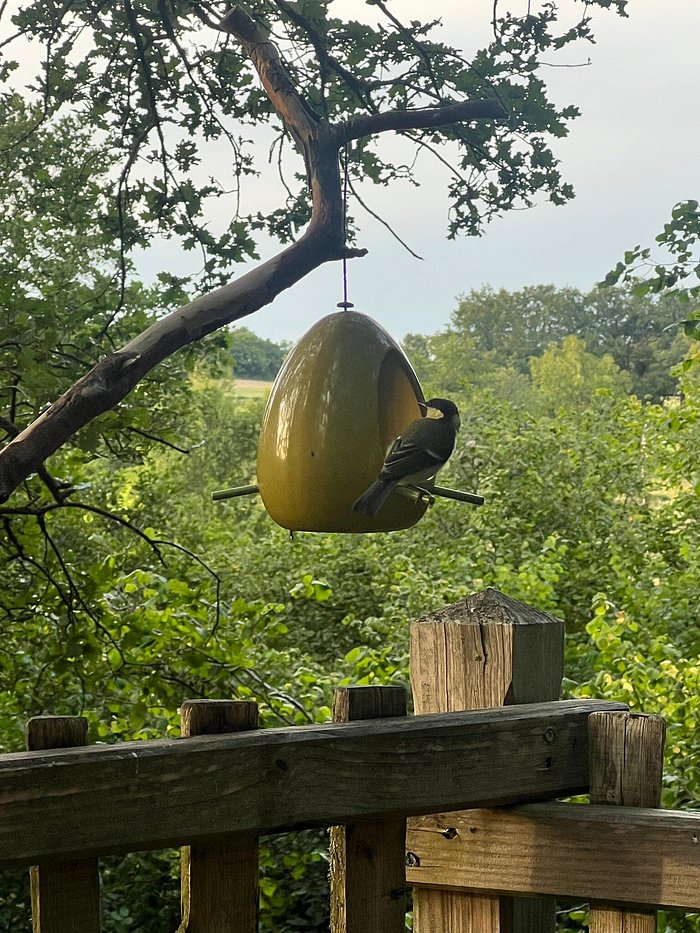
x=487, y=650
x=220, y=879
x=368, y=881
x=626, y=759
x=65, y=895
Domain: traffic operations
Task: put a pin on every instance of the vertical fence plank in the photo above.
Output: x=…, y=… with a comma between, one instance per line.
x=626, y=755
x=65, y=895
x=485, y=651
x=368, y=881
x=220, y=880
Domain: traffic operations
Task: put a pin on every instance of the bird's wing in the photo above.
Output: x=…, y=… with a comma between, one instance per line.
x=424, y=443
x=406, y=458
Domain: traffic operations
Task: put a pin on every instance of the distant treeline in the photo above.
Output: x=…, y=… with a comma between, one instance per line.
x=556, y=340
x=511, y=341
x=255, y=357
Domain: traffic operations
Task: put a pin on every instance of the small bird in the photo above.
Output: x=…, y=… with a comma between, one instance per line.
x=416, y=455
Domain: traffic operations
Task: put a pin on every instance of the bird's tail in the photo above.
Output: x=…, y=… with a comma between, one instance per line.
x=371, y=501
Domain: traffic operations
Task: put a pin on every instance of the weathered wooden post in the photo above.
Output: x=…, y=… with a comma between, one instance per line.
x=220, y=879
x=487, y=650
x=65, y=895
x=368, y=882
x=626, y=759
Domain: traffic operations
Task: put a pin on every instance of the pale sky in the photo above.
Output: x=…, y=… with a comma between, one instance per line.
x=631, y=155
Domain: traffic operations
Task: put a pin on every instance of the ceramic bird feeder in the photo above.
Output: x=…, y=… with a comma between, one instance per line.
x=345, y=391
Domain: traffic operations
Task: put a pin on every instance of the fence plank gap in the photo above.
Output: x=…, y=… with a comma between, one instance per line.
x=65, y=895
x=368, y=881
x=485, y=651
x=219, y=879
x=626, y=756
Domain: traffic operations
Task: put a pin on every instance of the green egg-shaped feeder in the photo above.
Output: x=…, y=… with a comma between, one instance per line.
x=345, y=391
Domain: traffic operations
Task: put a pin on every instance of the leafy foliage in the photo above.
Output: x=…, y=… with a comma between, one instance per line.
x=126, y=590
x=680, y=240
x=255, y=357
x=163, y=87
x=501, y=333
x=121, y=606
x=673, y=270
x=596, y=495
x=583, y=502
x=64, y=285
x=567, y=375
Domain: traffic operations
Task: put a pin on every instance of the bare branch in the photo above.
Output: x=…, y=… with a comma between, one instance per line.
x=384, y=222
x=158, y=440
x=360, y=88
x=422, y=118
x=292, y=109
x=418, y=46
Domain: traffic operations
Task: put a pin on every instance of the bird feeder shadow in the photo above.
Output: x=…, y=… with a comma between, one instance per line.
x=345, y=392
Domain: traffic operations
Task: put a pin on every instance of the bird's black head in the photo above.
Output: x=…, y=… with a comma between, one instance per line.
x=444, y=405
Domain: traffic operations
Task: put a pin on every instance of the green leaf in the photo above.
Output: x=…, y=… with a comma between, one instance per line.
x=691, y=328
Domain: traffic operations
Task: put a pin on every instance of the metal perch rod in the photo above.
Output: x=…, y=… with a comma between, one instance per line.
x=420, y=494
x=235, y=491
x=457, y=494
x=416, y=492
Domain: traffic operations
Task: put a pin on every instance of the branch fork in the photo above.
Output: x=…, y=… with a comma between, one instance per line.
x=107, y=383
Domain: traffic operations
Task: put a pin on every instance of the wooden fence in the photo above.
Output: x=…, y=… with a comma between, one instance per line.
x=469, y=773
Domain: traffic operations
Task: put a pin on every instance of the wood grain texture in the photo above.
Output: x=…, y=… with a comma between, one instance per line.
x=220, y=879
x=368, y=884
x=65, y=896
x=43, y=732
x=486, y=651
x=626, y=756
x=182, y=791
x=442, y=912
x=631, y=856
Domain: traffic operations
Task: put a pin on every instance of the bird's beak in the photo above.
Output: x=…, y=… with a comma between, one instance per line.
x=423, y=408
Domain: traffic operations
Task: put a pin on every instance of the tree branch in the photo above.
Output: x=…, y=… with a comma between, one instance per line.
x=107, y=383
x=421, y=119
x=292, y=109
x=381, y=220
x=359, y=87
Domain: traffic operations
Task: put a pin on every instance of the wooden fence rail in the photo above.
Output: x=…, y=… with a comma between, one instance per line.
x=626, y=764
x=367, y=858
x=226, y=782
x=638, y=857
x=219, y=880
x=156, y=794
x=641, y=857
x=57, y=887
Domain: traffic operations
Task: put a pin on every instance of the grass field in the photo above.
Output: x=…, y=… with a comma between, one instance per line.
x=252, y=388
